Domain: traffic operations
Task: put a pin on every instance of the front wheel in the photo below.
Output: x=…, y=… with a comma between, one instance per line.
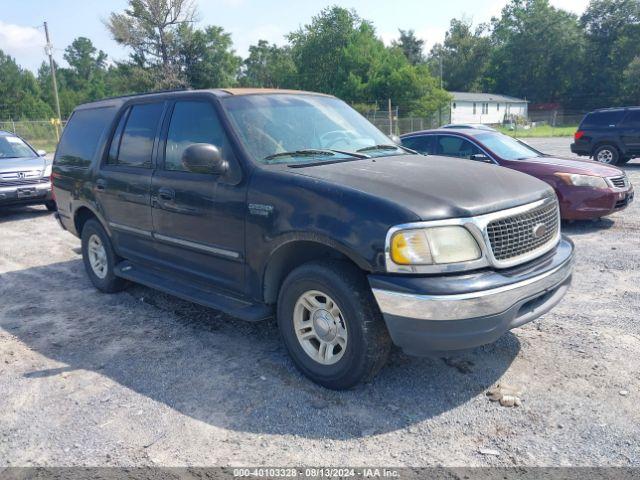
x=331, y=324
x=51, y=205
x=607, y=154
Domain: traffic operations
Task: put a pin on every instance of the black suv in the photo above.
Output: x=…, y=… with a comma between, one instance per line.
x=262, y=203
x=610, y=135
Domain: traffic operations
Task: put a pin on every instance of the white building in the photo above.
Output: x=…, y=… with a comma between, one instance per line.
x=487, y=108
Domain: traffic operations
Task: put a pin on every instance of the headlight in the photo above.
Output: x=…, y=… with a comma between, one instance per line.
x=47, y=171
x=582, y=180
x=434, y=245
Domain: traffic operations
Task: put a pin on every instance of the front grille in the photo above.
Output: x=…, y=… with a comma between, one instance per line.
x=622, y=203
x=517, y=235
x=619, y=182
x=24, y=181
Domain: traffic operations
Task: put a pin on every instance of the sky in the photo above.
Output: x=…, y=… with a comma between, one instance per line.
x=22, y=35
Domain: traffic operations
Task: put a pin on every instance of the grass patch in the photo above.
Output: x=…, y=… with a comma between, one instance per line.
x=541, y=131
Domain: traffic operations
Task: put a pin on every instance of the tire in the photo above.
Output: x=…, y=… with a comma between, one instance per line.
x=608, y=154
x=94, y=237
x=362, y=341
x=51, y=205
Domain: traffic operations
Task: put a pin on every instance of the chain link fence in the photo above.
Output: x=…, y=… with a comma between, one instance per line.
x=395, y=124
x=41, y=134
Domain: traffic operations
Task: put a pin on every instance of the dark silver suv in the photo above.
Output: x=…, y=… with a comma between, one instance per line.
x=25, y=175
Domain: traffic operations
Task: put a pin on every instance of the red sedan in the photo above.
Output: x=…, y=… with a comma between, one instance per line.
x=585, y=189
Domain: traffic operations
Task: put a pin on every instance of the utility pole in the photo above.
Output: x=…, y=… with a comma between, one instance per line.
x=440, y=109
x=49, y=51
x=390, y=118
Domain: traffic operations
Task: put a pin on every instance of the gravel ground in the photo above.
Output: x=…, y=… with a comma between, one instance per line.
x=141, y=378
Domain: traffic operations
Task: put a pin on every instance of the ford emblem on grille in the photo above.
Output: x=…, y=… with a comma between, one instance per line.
x=539, y=230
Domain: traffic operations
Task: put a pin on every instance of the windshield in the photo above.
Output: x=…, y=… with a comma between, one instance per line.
x=14, y=147
x=507, y=147
x=299, y=129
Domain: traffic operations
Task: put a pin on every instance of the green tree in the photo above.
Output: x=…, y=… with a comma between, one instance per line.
x=465, y=55
x=412, y=47
x=631, y=82
x=151, y=29
x=536, y=49
x=339, y=53
x=269, y=66
x=84, y=59
x=20, y=93
x=613, y=42
x=206, y=57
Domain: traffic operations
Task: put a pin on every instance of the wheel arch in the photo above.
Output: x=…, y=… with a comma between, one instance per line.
x=295, y=252
x=83, y=214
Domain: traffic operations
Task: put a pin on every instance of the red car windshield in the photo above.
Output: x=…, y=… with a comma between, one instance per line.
x=507, y=147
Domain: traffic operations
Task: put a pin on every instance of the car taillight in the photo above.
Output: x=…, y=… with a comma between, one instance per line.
x=578, y=135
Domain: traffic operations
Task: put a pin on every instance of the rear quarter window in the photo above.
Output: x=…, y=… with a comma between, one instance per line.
x=82, y=136
x=602, y=119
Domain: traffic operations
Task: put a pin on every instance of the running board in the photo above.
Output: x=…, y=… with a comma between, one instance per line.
x=201, y=295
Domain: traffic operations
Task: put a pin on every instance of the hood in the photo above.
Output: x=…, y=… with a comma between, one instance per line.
x=23, y=164
x=574, y=165
x=434, y=187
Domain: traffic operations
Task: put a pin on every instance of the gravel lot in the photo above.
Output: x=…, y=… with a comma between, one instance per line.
x=141, y=378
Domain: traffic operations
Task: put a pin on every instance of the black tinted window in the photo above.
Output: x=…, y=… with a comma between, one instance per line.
x=420, y=144
x=602, y=119
x=192, y=122
x=456, y=147
x=632, y=119
x=136, y=142
x=81, y=136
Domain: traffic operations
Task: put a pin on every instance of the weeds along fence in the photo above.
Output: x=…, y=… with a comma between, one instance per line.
x=41, y=134
x=397, y=125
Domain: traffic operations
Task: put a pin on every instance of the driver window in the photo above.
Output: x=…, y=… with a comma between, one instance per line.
x=456, y=147
x=192, y=122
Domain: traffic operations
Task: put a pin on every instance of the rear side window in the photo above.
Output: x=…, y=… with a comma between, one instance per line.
x=82, y=135
x=632, y=120
x=456, y=147
x=423, y=144
x=132, y=144
x=602, y=119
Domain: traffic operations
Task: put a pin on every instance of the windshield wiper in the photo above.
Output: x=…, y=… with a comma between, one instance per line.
x=380, y=147
x=313, y=152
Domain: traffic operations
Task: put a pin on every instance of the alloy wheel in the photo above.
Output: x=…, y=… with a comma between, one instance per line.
x=320, y=327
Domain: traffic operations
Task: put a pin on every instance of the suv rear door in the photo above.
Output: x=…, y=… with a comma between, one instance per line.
x=123, y=182
x=198, y=218
x=630, y=132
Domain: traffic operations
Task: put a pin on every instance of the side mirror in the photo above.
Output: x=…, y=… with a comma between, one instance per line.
x=41, y=153
x=481, y=157
x=204, y=158
x=395, y=139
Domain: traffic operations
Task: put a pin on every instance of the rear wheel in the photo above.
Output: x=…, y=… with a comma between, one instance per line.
x=607, y=154
x=99, y=258
x=331, y=325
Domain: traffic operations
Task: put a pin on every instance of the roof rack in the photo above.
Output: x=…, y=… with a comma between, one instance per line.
x=615, y=108
x=131, y=95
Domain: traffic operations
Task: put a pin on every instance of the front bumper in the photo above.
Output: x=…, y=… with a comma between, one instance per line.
x=425, y=315
x=578, y=203
x=25, y=194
